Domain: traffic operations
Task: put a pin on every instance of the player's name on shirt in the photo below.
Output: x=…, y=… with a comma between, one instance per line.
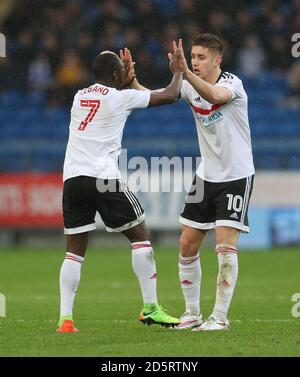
x=95, y=89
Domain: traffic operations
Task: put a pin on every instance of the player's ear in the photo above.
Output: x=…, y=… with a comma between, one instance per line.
x=218, y=60
x=115, y=75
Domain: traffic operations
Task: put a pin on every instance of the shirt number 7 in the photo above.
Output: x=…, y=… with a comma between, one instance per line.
x=94, y=105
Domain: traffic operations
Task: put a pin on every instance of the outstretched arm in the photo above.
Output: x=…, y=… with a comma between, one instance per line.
x=171, y=93
x=136, y=85
x=211, y=93
x=130, y=81
x=168, y=95
x=160, y=96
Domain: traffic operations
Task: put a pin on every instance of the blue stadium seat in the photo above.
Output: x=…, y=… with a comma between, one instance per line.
x=294, y=162
x=166, y=130
x=268, y=161
x=11, y=100
x=48, y=160
x=15, y=161
x=35, y=99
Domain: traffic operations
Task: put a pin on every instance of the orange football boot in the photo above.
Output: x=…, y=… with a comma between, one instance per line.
x=67, y=326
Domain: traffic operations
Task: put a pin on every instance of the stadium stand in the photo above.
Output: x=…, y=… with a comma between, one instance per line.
x=35, y=96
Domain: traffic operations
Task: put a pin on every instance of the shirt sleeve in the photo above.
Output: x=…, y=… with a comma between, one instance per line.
x=234, y=84
x=135, y=99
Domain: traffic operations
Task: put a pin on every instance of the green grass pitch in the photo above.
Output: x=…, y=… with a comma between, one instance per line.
x=109, y=301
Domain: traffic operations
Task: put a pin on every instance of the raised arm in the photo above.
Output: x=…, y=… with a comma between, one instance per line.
x=130, y=81
x=169, y=94
x=136, y=85
x=211, y=93
x=159, y=96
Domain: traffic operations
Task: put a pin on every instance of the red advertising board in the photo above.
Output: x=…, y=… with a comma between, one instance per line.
x=31, y=200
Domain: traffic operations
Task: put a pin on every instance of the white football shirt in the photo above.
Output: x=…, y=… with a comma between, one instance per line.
x=98, y=117
x=223, y=132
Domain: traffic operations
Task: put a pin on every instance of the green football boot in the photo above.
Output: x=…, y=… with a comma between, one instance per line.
x=158, y=316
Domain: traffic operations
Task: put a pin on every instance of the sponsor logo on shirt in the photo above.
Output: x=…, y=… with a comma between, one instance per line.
x=210, y=116
x=234, y=215
x=227, y=75
x=209, y=120
x=198, y=99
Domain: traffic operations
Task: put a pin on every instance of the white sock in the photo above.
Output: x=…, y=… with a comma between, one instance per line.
x=143, y=265
x=69, y=280
x=227, y=276
x=190, y=280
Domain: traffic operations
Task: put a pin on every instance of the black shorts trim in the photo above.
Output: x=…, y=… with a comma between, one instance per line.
x=221, y=204
x=83, y=196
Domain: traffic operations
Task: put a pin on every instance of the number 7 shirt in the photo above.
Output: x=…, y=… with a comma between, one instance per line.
x=98, y=117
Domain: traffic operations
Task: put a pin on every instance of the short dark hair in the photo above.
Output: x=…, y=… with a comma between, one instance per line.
x=210, y=41
x=105, y=64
